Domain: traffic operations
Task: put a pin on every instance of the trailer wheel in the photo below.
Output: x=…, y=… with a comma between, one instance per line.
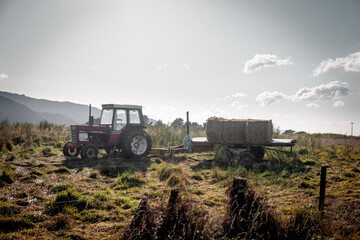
x=136, y=144
x=223, y=156
x=89, y=151
x=70, y=150
x=259, y=152
x=247, y=159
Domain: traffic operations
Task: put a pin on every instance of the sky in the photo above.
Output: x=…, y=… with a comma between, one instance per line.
x=295, y=62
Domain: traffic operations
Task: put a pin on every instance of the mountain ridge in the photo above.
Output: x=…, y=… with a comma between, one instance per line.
x=42, y=109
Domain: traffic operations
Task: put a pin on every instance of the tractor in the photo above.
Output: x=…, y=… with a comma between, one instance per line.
x=121, y=128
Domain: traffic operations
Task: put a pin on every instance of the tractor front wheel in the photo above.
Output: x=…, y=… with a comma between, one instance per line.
x=136, y=144
x=89, y=151
x=70, y=150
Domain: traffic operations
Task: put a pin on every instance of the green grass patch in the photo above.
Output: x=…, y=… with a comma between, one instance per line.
x=65, y=199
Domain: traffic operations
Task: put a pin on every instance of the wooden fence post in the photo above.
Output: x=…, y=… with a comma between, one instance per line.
x=187, y=123
x=322, y=188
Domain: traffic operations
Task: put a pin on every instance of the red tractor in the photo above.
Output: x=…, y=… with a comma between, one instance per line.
x=121, y=127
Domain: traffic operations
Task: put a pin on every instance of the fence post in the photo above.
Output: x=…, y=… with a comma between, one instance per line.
x=322, y=188
x=187, y=123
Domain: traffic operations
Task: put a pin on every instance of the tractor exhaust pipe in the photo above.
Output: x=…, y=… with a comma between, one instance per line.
x=91, y=118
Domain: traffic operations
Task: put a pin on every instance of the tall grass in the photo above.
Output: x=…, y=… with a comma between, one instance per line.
x=20, y=135
x=164, y=136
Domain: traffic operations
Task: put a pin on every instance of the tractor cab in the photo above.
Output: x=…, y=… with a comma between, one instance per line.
x=117, y=117
x=121, y=128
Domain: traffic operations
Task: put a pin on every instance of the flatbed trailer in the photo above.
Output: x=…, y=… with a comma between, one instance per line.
x=247, y=152
x=200, y=143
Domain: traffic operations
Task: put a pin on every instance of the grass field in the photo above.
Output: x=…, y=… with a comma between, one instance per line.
x=46, y=196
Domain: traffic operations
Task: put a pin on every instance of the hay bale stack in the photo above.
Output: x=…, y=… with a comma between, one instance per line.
x=220, y=130
x=234, y=131
x=259, y=131
x=214, y=129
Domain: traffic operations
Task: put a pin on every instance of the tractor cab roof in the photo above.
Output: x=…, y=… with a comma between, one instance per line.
x=122, y=106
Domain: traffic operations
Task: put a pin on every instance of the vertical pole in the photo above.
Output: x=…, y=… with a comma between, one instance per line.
x=90, y=115
x=352, y=124
x=322, y=188
x=187, y=123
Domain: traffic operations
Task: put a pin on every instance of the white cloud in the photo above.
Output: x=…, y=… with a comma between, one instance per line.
x=3, y=76
x=267, y=98
x=239, y=106
x=332, y=90
x=235, y=95
x=181, y=68
x=338, y=104
x=162, y=67
x=315, y=105
x=260, y=61
x=350, y=63
x=176, y=68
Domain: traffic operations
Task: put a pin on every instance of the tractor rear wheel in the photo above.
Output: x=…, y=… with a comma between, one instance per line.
x=70, y=150
x=136, y=144
x=89, y=151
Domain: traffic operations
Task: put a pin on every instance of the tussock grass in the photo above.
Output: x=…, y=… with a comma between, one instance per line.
x=11, y=224
x=289, y=186
x=65, y=199
x=167, y=170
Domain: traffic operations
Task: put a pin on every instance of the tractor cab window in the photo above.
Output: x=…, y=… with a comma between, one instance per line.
x=120, y=119
x=134, y=116
x=106, y=117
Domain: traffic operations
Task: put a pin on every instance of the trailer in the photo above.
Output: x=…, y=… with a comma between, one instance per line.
x=247, y=153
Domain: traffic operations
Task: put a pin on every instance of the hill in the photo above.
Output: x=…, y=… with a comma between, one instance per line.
x=54, y=111
x=15, y=112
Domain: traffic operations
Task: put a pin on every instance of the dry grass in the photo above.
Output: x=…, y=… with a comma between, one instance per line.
x=108, y=190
